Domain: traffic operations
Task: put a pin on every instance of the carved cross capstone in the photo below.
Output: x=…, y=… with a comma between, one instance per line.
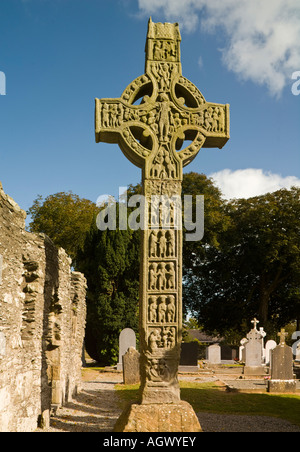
x=255, y=323
x=151, y=122
x=282, y=335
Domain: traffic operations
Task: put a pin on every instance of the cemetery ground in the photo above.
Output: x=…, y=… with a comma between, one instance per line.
x=220, y=407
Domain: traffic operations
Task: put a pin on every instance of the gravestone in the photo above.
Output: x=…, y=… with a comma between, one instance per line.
x=189, y=357
x=228, y=354
x=151, y=121
x=131, y=367
x=214, y=354
x=253, y=352
x=282, y=375
x=263, y=351
x=127, y=339
x=270, y=345
x=242, y=350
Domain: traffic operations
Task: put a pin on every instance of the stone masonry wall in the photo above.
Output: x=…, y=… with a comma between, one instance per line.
x=42, y=323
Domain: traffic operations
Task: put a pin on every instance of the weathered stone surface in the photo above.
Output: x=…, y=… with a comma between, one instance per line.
x=160, y=418
x=42, y=321
x=131, y=367
x=282, y=375
x=282, y=386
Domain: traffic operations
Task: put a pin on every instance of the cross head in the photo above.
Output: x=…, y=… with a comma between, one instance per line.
x=283, y=335
x=160, y=110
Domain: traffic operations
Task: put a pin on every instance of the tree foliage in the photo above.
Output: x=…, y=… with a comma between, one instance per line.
x=110, y=261
x=65, y=218
x=255, y=270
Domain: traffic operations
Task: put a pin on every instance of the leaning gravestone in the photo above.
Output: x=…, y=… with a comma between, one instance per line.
x=127, y=339
x=155, y=115
x=253, y=352
x=282, y=375
x=131, y=367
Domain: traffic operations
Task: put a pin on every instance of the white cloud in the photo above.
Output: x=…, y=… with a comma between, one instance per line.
x=251, y=182
x=200, y=62
x=263, y=36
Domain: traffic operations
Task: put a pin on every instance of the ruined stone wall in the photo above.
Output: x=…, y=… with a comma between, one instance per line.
x=42, y=323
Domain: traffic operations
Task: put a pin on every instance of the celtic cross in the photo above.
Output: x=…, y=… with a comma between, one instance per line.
x=156, y=114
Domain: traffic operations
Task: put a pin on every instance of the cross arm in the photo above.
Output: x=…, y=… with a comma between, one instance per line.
x=118, y=122
x=216, y=126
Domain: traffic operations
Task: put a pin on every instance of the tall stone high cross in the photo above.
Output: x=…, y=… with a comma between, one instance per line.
x=151, y=121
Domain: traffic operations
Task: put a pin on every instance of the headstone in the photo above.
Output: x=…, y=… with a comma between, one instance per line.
x=214, y=354
x=151, y=133
x=131, y=367
x=253, y=350
x=228, y=354
x=127, y=339
x=189, y=357
x=263, y=351
x=2, y=345
x=282, y=375
x=270, y=345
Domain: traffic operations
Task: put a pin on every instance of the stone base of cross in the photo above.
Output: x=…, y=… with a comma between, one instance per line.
x=157, y=113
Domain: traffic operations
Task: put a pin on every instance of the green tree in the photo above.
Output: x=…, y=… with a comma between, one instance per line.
x=216, y=222
x=110, y=262
x=65, y=218
x=256, y=268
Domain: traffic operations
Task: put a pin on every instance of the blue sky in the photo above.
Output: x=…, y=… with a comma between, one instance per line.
x=58, y=55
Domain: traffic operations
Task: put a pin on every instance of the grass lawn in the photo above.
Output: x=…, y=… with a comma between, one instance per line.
x=210, y=398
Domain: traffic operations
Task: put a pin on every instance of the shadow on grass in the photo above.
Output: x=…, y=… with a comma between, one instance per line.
x=212, y=399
